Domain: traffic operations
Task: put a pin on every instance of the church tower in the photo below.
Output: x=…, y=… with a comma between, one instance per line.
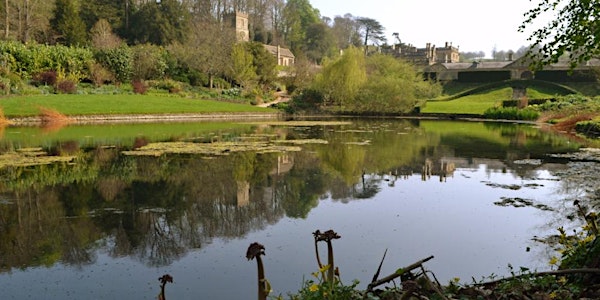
x=239, y=21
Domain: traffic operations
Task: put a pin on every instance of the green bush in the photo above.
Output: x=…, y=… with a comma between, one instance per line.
x=149, y=62
x=16, y=58
x=516, y=102
x=169, y=85
x=511, y=113
x=589, y=128
x=118, y=60
x=564, y=102
x=308, y=100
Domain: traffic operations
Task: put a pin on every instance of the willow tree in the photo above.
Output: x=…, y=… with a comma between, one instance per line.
x=573, y=30
x=393, y=86
x=341, y=79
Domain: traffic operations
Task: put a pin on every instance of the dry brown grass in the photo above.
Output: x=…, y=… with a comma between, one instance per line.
x=53, y=120
x=3, y=120
x=568, y=124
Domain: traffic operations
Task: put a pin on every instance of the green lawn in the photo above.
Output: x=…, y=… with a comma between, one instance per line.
x=478, y=103
x=22, y=106
x=473, y=104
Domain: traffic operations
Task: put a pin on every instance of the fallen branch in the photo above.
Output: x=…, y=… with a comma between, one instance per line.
x=397, y=274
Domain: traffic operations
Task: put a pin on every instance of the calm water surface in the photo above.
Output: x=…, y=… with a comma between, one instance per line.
x=109, y=209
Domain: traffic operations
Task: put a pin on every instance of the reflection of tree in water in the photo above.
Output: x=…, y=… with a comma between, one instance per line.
x=299, y=189
x=156, y=208
x=35, y=232
x=369, y=188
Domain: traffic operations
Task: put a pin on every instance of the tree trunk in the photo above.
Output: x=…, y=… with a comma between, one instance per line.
x=27, y=22
x=6, y=20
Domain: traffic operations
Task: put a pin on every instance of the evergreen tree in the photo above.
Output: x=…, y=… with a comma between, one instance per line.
x=110, y=10
x=372, y=30
x=264, y=62
x=242, y=68
x=160, y=23
x=67, y=24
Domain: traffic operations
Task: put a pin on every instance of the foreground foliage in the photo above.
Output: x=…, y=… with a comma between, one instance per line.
x=577, y=277
x=572, y=31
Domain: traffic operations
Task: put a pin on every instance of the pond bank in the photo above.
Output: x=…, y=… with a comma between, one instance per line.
x=147, y=118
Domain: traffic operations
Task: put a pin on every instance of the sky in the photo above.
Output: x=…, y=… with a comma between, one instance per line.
x=472, y=25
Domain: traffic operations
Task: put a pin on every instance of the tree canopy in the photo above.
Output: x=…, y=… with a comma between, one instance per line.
x=68, y=25
x=372, y=30
x=376, y=83
x=575, y=31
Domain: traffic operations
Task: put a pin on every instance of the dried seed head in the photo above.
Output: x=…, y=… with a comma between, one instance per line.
x=255, y=250
x=165, y=278
x=326, y=236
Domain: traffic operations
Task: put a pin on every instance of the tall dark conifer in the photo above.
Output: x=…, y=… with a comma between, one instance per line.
x=160, y=23
x=67, y=24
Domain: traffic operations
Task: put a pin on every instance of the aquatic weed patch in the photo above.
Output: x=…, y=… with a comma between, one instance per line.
x=210, y=149
x=30, y=157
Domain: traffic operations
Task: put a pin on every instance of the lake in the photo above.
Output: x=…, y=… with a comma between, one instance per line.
x=101, y=212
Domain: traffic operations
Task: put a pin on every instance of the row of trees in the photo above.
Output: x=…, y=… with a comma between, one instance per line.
x=293, y=23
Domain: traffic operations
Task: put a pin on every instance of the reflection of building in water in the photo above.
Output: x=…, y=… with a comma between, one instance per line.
x=285, y=163
x=443, y=169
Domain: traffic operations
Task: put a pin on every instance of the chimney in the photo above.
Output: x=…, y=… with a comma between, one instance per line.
x=446, y=45
x=279, y=55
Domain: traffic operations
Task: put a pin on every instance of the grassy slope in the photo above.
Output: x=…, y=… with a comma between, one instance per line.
x=22, y=106
x=473, y=104
x=479, y=102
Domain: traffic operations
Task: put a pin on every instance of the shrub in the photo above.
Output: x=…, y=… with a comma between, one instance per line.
x=99, y=75
x=564, y=102
x=118, y=60
x=233, y=92
x=511, y=113
x=45, y=78
x=139, y=87
x=589, y=128
x=168, y=85
x=148, y=62
x=66, y=86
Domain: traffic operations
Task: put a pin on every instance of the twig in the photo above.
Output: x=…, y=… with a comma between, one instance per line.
x=379, y=269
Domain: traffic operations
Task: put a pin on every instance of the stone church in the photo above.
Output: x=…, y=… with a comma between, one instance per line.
x=240, y=22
